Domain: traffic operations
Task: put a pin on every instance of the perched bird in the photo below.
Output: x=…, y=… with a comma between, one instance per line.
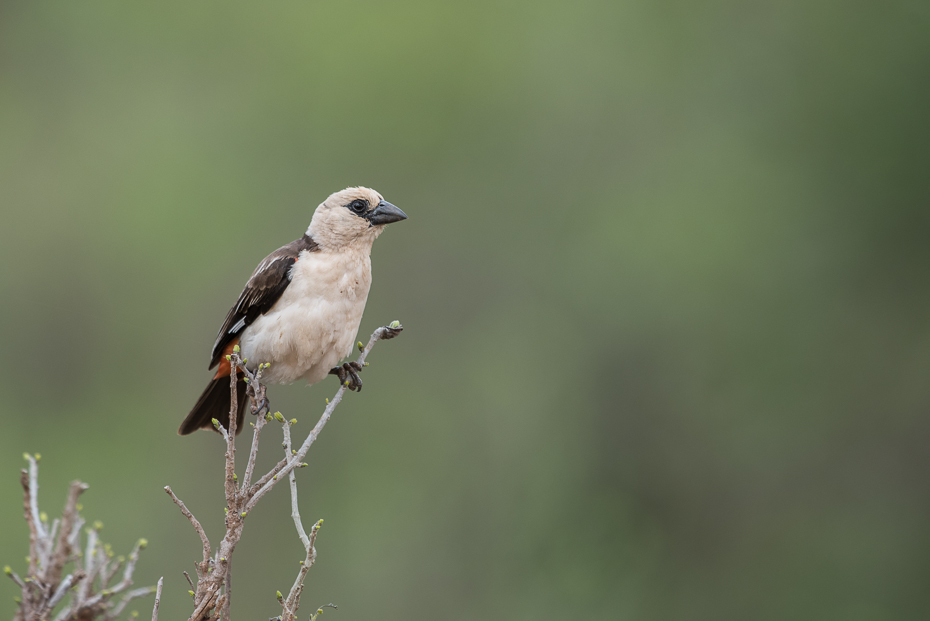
x=301, y=309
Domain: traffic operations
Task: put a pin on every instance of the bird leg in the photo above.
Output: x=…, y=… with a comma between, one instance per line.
x=348, y=375
x=259, y=400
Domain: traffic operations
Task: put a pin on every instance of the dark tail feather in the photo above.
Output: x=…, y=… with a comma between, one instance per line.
x=215, y=403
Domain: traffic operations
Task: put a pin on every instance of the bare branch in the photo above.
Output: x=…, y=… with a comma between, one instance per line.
x=53, y=548
x=270, y=480
x=253, y=453
x=212, y=592
x=62, y=550
x=194, y=522
x=161, y=582
x=131, y=595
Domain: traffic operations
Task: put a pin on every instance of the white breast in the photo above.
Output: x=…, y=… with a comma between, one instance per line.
x=313, y=325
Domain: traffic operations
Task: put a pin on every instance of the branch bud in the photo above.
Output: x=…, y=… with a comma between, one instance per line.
x=394, y=325
x=236, y=348
x=279, y=417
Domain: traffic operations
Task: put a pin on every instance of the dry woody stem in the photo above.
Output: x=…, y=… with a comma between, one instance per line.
x=212, y=592
x=86, y=593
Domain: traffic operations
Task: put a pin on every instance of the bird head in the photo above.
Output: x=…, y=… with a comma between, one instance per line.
x=352, y=217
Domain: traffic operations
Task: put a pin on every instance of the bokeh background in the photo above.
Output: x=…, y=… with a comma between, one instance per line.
x=665, y=285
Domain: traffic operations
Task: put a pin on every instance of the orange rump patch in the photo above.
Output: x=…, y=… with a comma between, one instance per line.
x=223, y=371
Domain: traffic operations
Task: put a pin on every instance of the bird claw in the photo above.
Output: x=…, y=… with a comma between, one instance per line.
x=348, y=375
x=259, y=402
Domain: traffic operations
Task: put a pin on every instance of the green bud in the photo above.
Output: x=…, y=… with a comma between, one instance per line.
x=17, y=600
x=268, y=417
x=275, y=477
x=327, y=400
x=38, y=456
x=191, y=593
x=98, y=525
x=361, y=346
x=79, y=507
x=216, y=423
x=143, y=543
x=303, y=465
x=347, y=382
x=26, y=456
x=278, y=593
x=43, y=516
x=8, y=570
x=235, y=477
x=293, y=421
x=134, y=614
x=236, y=348
x=394, y=325
x=242, y=514
x=279, y=417
x=226, y=510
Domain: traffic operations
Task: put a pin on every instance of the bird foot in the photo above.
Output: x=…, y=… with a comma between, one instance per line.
x=348, y=375
x=259, y=402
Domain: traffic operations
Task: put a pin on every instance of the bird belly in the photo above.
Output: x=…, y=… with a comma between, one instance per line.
x=314, y=324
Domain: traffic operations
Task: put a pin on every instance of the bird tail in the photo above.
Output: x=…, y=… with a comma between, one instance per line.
x=215, y=403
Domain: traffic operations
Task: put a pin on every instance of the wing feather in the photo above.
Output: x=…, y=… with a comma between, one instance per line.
x=261, y=292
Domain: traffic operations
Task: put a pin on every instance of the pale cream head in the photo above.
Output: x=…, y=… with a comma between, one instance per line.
x=351, y=218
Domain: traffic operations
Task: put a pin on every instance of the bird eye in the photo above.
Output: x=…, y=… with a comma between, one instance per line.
x=358, y=206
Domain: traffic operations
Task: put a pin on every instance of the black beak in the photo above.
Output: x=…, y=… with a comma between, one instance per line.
x=385, y=213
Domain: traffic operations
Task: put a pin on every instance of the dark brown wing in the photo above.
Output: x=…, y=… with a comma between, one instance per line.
x=268, y=282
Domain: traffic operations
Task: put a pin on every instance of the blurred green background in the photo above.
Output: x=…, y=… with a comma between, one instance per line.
x=665, y=281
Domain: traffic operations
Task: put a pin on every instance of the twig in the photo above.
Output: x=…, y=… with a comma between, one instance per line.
x=212, y=593
x=53, y=548
x=268, y=482
x=194, y=522
x=161, y=581
x=292, y=603
x=63, y=547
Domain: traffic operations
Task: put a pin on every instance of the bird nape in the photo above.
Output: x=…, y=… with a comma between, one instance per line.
x=301, y=308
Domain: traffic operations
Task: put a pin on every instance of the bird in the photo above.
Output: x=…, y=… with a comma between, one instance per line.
x=300, y=310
